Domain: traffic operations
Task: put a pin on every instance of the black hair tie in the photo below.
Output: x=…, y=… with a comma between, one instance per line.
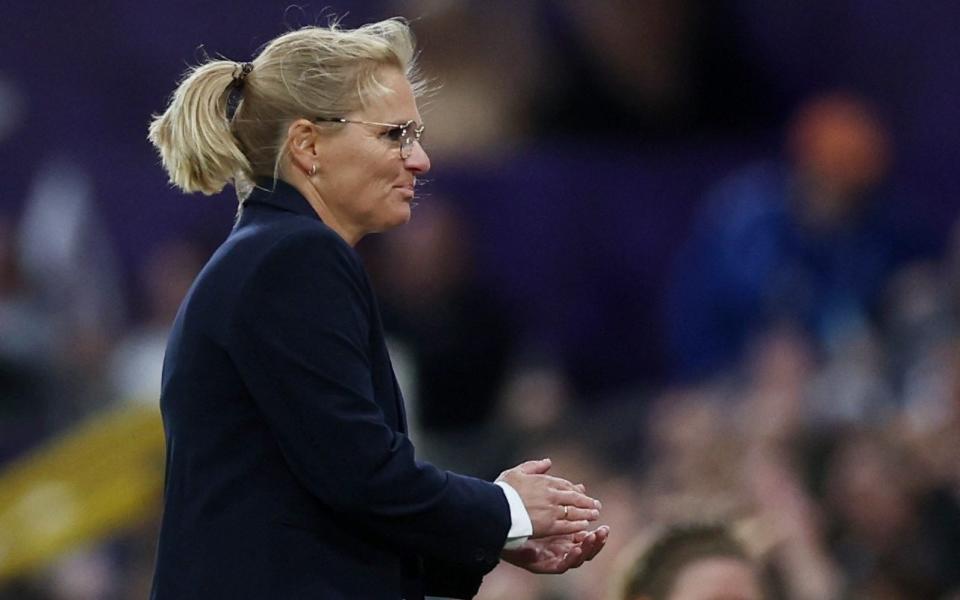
x=235, y=90
x=241, y=71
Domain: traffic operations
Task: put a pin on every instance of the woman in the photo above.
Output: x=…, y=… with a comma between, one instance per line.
x=289, y=474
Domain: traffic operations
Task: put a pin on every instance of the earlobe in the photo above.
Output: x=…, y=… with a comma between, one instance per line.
x=303, y=152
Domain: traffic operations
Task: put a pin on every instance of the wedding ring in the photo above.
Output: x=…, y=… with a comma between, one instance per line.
x=566, y=509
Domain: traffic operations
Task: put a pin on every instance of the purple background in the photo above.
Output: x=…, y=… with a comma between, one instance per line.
x=578, y=232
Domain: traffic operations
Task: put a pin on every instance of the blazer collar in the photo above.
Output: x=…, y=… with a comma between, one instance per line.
x=282, y=195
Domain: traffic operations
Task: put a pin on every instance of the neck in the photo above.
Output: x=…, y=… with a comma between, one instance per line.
x=303, y=184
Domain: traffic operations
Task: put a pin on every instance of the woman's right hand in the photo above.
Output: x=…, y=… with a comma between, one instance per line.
x=555, y=506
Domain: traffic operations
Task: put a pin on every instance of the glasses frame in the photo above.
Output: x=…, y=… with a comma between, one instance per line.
x=406, y=140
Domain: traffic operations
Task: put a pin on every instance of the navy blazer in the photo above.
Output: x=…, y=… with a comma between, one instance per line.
x=289, y=474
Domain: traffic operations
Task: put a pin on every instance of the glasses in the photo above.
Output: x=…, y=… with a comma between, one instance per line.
x=405, y=133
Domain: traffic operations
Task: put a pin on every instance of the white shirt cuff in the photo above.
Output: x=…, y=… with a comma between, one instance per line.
x=520, y=526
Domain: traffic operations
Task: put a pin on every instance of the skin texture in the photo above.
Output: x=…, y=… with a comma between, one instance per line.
x=361, y=184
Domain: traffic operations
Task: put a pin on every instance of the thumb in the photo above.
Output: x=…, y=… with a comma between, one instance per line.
x=535, y=467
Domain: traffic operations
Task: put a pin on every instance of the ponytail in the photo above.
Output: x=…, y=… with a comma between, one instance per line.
x=307, y=73
x=199, y=151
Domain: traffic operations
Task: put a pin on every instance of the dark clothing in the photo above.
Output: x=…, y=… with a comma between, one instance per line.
x=751, y=263
x=460, y=346
x=289, y=473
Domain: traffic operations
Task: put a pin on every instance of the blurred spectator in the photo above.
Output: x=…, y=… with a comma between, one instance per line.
x=137, y=358
x=535, y=401
x=66, y=252
x=831, y=439
x=69, y=263
x=692, y=562
x=26, y=342
x=457, y=332
x=896, y=535
x=645, y=69
x=691, y=462
x=484, y=57
x=809, y=243
x=786, y=527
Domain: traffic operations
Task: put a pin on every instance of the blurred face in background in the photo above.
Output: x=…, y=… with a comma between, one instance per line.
x=716, y=578
x=868, y=491
x=693, y=562
x=840, y=149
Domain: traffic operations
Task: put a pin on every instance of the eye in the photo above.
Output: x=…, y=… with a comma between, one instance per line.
x=394, y=133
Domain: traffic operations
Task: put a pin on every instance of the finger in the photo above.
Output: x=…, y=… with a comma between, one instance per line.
x=535, y=467
x=594, y=542
x=563, y=527
x=581, y=488
x=591, y=546
x=573, y=559
x=559, y=483
x=570, y=498
x=572, y=513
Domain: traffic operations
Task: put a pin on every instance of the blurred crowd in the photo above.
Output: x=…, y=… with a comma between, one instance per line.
x=809, y=401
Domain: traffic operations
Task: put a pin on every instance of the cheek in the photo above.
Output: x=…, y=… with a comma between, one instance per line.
x=367, y=177
x=383, y=205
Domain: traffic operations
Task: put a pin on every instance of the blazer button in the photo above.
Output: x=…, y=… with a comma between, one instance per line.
x=479, y=555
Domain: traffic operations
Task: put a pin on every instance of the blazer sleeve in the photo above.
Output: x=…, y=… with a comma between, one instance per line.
x=301, y=341
x=450, y=580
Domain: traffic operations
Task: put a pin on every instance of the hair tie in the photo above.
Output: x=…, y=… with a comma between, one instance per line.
x=235, y=89
x=240, y=72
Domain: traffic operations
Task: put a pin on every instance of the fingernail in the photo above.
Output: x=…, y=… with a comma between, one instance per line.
x=597, y=504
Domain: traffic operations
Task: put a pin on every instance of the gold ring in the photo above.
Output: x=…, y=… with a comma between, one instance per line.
x=566, y=509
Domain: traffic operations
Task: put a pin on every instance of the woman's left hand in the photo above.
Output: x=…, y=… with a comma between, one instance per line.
x=559, y=553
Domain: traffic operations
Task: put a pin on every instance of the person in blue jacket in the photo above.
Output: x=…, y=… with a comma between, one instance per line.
x=289, y=473
x=807, y=243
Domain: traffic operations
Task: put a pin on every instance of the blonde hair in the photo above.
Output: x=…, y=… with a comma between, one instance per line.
x=307, y=73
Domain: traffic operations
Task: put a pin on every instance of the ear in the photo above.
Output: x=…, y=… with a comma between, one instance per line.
x=302, y=145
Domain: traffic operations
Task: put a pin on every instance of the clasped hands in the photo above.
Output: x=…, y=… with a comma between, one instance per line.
x=561, y=513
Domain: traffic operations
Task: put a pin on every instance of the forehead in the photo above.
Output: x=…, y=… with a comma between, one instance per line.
x=717, y=578
x=397, y=104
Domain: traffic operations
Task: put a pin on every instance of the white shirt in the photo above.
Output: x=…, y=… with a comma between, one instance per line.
x=521, y=527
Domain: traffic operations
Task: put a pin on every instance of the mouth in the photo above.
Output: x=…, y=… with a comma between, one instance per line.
x=407, y=191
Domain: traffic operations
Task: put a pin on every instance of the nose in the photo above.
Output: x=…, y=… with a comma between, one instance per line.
x=418, y=162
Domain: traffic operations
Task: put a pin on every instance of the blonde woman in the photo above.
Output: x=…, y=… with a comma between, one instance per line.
x=289, y=472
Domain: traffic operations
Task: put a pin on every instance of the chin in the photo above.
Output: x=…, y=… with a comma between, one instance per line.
x=398, y=217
